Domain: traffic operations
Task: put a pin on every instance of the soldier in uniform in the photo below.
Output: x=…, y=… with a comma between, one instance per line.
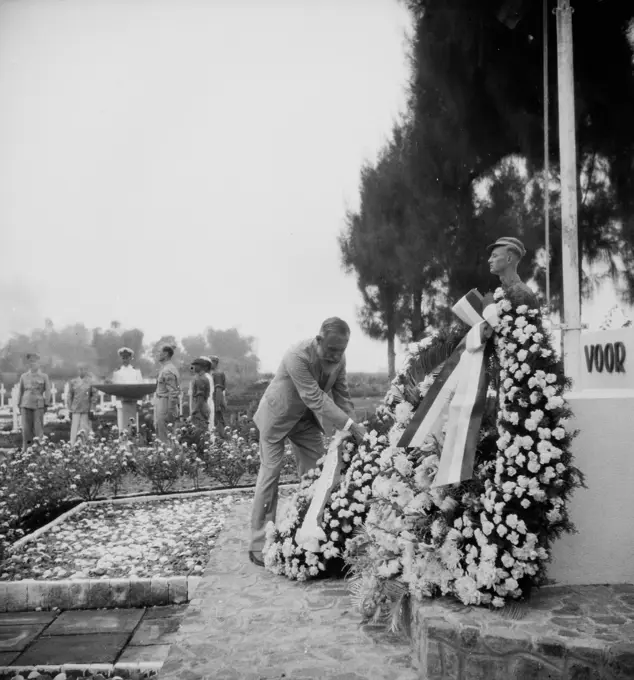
x=506, y=253
x=219, y=397
x=201, y=392
x=34, y=397
x=167, y=393
x=82, y=399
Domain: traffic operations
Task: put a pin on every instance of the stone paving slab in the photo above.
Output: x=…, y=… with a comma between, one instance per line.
x=156, y=653
x=151, y=631
x=6, y=658
x=115, y=621
x=44, y=638
x=16, y=638
x=246, y=623
x=175, y=611
x=87, y=648
x=26, y=618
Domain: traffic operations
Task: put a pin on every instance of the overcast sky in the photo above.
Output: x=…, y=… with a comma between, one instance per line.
x=175, y=164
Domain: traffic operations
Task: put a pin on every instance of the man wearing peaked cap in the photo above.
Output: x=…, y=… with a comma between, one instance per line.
x=202, y=406
x=509, y=242
x=167, y=394
x=219, y=395
x=126, y=373
x=34, y=397
x=505, y=255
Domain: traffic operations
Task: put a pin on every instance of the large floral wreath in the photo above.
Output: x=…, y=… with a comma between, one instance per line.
x=486, y=540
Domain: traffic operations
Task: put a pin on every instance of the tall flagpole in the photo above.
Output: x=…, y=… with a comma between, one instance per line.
x=546, y=155
x=568, y=171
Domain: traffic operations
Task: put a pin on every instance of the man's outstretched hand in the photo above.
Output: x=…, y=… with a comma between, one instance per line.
x=358, y=432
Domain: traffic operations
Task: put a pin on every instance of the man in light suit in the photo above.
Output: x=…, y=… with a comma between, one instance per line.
x=295, y=406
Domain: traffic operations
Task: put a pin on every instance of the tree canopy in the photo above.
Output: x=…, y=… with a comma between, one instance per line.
x=62, y=350
x=476, y=98
x=464, y=166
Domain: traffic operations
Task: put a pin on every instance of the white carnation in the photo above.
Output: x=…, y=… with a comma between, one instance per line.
x=559, y=433
x=403, y=465
x=403, y=412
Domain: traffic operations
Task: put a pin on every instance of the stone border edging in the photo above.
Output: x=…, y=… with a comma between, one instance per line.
x=143, y=666
x=38, y=532
x=124, y=593
x=102, y=593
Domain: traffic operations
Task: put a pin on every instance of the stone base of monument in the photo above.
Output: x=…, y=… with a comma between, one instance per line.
x=561, y=633
x=127, y=414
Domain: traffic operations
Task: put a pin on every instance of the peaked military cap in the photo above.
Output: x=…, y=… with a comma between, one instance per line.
x=202, y=361
x=510, y=242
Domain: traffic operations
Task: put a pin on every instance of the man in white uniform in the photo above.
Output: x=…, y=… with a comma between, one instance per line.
x=127, y=374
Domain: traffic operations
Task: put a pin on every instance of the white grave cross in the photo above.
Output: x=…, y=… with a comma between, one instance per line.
x=3, y=391
x=53, y=394
x=16, y=406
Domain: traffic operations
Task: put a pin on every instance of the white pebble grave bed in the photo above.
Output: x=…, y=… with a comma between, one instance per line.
x=136, y=539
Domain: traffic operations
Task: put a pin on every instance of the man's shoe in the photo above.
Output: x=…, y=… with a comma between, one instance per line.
x=258, y=561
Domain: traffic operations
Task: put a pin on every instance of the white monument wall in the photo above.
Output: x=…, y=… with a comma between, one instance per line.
x=603, y=403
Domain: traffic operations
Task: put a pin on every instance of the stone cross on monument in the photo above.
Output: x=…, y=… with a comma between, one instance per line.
x=65, y=393
x=53, y=394
x=3, y=391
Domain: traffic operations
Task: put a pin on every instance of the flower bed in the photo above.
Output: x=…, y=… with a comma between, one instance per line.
x=47, y=476
x=165, y=537
x=120, y=578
